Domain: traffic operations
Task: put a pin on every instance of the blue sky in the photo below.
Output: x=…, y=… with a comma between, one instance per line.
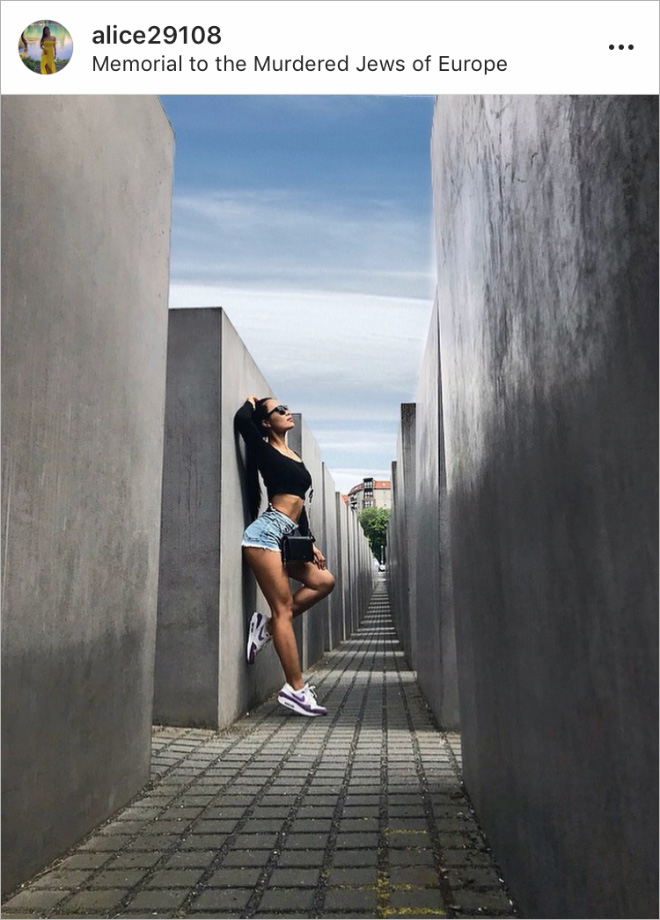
x=309, y=219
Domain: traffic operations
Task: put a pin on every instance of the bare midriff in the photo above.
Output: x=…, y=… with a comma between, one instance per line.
x=291, y=505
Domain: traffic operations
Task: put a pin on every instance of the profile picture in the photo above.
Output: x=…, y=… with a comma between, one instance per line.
x=45, y=46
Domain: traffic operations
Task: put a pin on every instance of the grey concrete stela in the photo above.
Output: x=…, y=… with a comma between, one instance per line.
x=359, y=814
x=524, y=531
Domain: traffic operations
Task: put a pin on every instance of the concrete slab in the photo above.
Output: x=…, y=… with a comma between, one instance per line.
x=85, y=248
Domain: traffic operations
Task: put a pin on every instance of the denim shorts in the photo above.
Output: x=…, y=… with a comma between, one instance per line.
x=268, y=531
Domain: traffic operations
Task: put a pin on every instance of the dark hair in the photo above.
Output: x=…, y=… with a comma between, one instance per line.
x=259, y=413
x=43, y=34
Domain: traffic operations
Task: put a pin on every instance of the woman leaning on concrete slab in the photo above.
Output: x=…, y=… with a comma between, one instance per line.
x=263, y=425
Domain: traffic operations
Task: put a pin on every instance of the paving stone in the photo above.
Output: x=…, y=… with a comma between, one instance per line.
x=355, y=858
x=309, y=858
x=264, y=826
x=103, y=899
x=222, y=899
x=428, y=912
x=481, y=900
x=405, y=839
x=201, y=801
x=479, y=877
x=169, y=827
x=158, y=899
x=417, y=897
x=418, y=876
x=213, y=914
x=414, y=856
x=255, y=841
x=123, y=827
x=181, y=814
x=34, y=900
x=62, y=878
x=349, y=915
x=296, y=899
x=353, y=841
x=223, y=813
x=397, y=812
x=294, y=878
x=130, y=860
x=175, y=878
x=234, y=877
x=316, y=811
x=311, y=825
x=403, y=825
x=341, y=876
x=203, y=841
x=85, y=861
x=306, y=841
x=222, y=827
x=247, y=858
x=117, y=878
x=359, y=825
x=403, y=799
x=193, y=859
x=104, y=844
x=319, y=801
x=457, y=826
x=65, y=914
x=269, y=812
x=348, y=899
x=140, y=812
x=465, y=858
x=20, y=914
x=358, y=800
x=458, y=842
x=153, y=843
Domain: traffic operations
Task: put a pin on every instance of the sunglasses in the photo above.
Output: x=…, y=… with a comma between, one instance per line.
x=281, y=409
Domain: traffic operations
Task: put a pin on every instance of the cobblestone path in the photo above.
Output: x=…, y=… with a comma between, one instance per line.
x=358, y=814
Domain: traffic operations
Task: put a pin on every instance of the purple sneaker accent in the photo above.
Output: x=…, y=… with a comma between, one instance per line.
x=303, y=702
x=258, y=635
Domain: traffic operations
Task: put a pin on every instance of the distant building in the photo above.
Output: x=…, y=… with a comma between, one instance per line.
x=371, y=493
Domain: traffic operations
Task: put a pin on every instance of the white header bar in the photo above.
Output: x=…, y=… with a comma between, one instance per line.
x=339, y=47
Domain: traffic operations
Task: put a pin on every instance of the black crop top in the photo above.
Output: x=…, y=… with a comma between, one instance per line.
x=281, y=474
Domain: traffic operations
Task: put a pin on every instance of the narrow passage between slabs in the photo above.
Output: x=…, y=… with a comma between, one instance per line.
x=360, y=813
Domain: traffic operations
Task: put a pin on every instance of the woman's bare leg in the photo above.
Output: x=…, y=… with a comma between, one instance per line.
x=316, y=584
x=273, y=579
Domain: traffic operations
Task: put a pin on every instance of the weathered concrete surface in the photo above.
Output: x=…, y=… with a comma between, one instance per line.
x=432, y=606
x=342, y=591
x=362, y=570
x=86, y=217
x=402, y=535
x=207, y=593
x=546, y=219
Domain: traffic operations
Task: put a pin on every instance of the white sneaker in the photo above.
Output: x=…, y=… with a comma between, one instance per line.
x=303, y=702
x=258, y=635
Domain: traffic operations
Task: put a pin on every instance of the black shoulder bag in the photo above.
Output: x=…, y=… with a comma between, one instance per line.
x=299, y=546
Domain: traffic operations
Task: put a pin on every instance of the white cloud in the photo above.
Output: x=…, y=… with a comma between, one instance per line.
x=332, y=300
x=332, y=351
x=260, y=239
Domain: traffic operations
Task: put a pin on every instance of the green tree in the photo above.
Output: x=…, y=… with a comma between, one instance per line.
x=374, y=524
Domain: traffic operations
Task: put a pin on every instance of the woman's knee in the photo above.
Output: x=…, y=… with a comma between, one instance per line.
x=282, y=611
x=327, y=581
